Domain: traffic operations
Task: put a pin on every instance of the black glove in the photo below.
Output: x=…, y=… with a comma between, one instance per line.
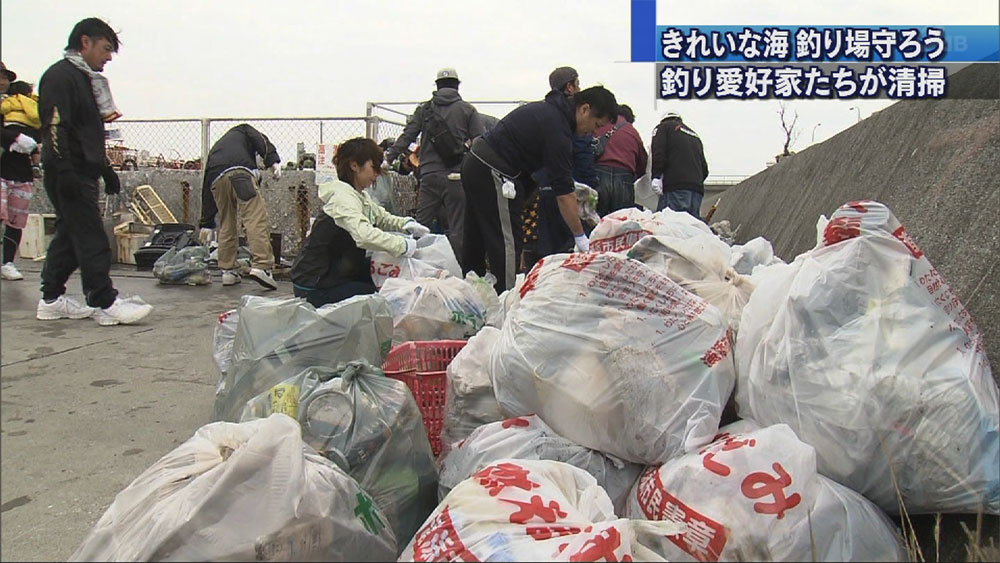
x=112, y=184
x=68, y=182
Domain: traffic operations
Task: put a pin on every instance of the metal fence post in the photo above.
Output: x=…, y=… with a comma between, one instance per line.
x=206, y=140
x=369, y=130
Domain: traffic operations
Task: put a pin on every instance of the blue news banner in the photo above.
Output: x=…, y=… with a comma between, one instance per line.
x=821, y=62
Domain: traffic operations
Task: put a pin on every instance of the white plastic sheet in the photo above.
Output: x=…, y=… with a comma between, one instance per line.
x=469, y=400
x=699, y=264
x=755, y=495
x=528, y=437
x=222, y=340
x=433, y=258
x=446, y=308
x=526, y=510
x=370, y=426
x=241, y=492
x=615, y=357
x=867, y=353
x=618, y=231
x=276, y=338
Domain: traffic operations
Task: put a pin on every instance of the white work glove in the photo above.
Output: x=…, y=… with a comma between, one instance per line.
x=657, y=185
x=411, y=247
x=23, y=144
x=276, y=170
x=411, y=227
x=581, y=243
x=205, y=236
x=509, y=190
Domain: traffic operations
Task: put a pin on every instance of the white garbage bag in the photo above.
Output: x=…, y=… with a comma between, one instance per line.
x=508, y=300
x=434, y=257
x=469, y=401
x=755, y=495
x=276, y=338
x=222, y=340
x=700, y=264
x=241, y=492
x=485, y=286
x=370, y=426
x=446, y=308
x=615, y=357
x=867, y=353
x=756, y=252
x=528, y=510
x=527, y=437
x=618, y=231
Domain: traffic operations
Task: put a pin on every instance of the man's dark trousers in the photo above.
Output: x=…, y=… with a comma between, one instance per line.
x=493, y=224
x=79, y=242
x=437, y=192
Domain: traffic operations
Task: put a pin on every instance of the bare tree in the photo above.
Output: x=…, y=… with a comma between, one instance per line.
x=788, y=125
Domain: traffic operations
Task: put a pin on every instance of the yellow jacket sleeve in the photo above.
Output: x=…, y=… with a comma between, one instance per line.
x=362, y=218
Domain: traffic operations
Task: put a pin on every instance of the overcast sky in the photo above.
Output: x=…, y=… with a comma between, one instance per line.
x=228, y=58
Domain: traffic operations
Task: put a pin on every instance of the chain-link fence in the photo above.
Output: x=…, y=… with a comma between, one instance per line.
x=381, y=112
x=184, y=143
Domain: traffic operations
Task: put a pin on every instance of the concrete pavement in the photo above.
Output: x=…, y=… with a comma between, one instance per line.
x=84, y=409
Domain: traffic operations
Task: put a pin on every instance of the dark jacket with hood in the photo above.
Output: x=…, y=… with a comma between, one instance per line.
x=72, y=127
x=678, y=157
x=238, y=148
x=463, y=121
x=535, y=136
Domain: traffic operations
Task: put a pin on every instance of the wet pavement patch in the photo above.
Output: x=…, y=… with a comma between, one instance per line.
x=105, y=383
x=133, y=451
x=19, y=501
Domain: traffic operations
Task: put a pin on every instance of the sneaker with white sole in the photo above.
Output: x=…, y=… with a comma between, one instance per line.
x=263, y=277
x=62, y=308
x=123, y=311
x=231, y=277
x=10, y=272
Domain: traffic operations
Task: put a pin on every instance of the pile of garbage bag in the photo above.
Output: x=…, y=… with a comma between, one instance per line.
x=699, y=264
x=618, y=231
x=242, y=492
x=528, y=437
x=187, y=266
x=276, y=338
x=469, y=399
x=754, y=495
x=528, y=510
x=865, y=351
x=447, y=308
x=433, y=258
x=370, y=426
x=641, y=367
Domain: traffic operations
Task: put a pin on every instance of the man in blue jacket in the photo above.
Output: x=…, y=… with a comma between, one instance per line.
x=496, y=175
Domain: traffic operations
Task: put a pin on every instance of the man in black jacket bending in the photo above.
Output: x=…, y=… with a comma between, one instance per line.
x=678, y=166
x=74, y=101
x=231, y=189
x=496, y=175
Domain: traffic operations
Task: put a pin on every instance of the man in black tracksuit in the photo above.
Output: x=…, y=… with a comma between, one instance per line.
x=533, y=136
x=678, y=167
x=73, y=158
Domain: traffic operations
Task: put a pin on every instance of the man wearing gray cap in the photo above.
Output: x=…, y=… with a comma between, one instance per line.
x=446, y=125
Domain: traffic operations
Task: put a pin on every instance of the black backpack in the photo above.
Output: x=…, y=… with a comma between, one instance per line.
x=446, y=144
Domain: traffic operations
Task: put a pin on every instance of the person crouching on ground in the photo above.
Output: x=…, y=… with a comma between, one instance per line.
x=332, y=264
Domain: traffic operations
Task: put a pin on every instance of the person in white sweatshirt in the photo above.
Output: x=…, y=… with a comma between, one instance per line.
x=333, y=264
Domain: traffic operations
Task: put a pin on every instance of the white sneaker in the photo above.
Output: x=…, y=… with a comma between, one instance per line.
x=10, y=272
x=62, y=308
x=231, y=277
x=263, y=277
x=123, y=311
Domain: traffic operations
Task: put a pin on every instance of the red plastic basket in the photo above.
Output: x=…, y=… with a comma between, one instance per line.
x=421, y=366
